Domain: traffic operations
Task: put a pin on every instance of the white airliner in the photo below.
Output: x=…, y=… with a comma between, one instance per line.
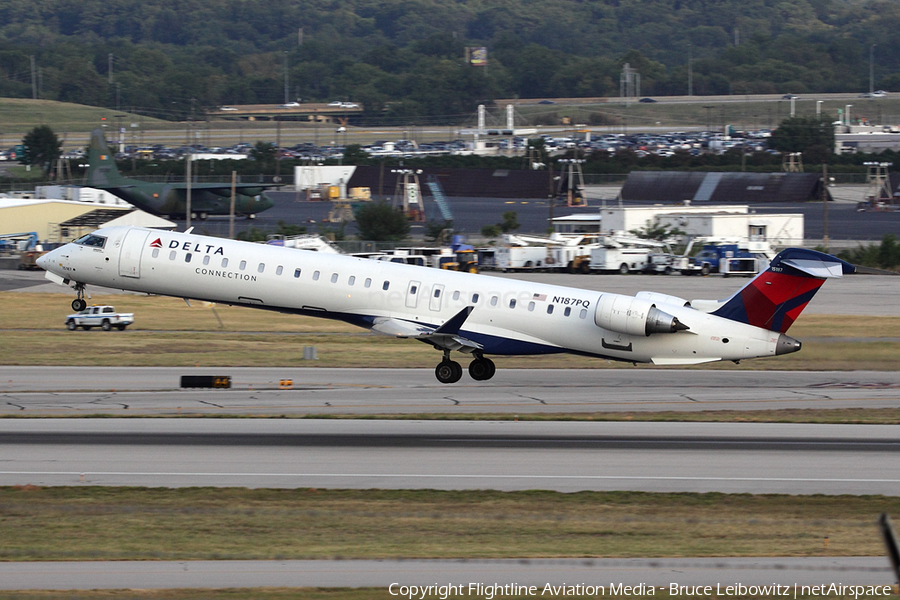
x=474, y=314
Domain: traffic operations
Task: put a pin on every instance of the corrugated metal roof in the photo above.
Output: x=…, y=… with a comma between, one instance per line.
x=718, y=187
x=472, y=183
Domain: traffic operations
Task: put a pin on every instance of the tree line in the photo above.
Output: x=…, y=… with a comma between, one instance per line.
x=403, y=59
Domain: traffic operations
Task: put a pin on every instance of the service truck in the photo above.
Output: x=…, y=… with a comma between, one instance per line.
x=104, y=317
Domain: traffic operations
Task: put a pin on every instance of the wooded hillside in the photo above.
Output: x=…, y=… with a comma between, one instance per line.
x=407, y=55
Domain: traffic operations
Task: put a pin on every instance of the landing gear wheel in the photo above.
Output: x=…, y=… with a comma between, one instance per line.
x=482, y=369
x=79, y=305
x=448, y=371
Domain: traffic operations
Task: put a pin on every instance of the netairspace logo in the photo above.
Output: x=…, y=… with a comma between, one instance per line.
x=496, y=590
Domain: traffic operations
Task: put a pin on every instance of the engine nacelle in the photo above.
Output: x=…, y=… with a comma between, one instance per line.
x=633, y=316
x=658, y=298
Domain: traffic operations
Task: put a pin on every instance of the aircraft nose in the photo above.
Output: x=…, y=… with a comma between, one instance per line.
x=44, y=260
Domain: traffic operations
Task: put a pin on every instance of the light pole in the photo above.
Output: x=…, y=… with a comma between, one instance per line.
x=872, y=68
x=819, y=109
x=285, y=77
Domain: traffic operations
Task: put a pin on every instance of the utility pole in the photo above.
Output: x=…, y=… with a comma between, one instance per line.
x=872, y=68
x=187, y=210
x=825, y=206
x=33, y=80
x=285, y=77
x=231, y=211
x=690, y=72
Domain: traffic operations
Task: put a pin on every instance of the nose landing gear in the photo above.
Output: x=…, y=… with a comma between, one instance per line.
x=79, y=304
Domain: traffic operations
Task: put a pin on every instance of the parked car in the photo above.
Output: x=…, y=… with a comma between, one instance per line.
x=646, y=100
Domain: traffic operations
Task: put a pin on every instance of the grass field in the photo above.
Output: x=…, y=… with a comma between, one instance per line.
x=169, y=333
x=89, y=523
x=19, y=115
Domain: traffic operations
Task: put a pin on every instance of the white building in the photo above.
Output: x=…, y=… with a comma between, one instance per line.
x=780, y=230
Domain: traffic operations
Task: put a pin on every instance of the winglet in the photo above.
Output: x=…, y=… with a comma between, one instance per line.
x=453, y=325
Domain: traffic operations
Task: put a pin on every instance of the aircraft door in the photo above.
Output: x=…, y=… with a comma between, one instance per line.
x=130, y=253
x=436, y=292
x=412, y=294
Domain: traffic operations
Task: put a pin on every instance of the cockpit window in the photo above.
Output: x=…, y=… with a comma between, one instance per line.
x=90, y=239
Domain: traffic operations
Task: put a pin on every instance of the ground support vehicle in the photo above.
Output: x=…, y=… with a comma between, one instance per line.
x=104, y=317
x=521, y=258
x=747, y=258
x=619, y=260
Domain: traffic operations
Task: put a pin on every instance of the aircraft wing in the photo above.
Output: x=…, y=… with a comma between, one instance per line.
x=444, y=337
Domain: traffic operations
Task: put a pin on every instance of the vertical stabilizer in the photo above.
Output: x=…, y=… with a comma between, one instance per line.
x=775, y=298
x=102, y=171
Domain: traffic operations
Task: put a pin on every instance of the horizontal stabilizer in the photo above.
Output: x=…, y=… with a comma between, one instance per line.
x=775, y=298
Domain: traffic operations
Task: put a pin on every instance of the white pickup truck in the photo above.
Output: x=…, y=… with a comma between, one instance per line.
x=104, y=317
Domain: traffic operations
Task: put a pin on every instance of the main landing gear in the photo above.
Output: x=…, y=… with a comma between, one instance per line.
x=79, y=304
x=449, y=371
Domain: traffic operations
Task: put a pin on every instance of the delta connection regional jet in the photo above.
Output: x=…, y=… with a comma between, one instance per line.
x=473, y=314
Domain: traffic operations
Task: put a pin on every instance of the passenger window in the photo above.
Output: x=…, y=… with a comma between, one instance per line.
x=224, y=262
x=549, y=309
x=334, y=277
x=279, y=270
x=512, y=303
x=456, y=295
x=568, y=311
x=437, y=292
x=187, y=257
x=352, y=280
x=368, y=282
x=474, y=298
x=386, y=285
x=243, y=265
x=172, y=255
x=531, y=306
x=494, y=300
x=296, y=273
x=156, y=253
x=261, y=268
x=583, y=313
x=412, y=290
x=206, y=260
x=316, y=276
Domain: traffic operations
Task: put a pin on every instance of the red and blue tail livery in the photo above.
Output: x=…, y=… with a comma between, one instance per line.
x=775, y=298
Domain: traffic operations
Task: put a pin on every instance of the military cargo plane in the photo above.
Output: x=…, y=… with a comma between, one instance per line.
x=170, y=199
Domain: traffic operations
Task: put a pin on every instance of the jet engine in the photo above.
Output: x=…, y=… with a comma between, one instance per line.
x=634, y=316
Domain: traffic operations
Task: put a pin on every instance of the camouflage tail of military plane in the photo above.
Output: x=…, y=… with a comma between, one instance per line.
x=170, y=199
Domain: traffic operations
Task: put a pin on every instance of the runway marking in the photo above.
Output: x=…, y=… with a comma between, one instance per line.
x=447, y=476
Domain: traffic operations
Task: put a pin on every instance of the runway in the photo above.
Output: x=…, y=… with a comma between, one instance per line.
x=659, y=573
x=453, y=455
x=129, y=391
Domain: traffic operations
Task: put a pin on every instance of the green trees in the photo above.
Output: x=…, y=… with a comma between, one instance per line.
x=379, y=222
x=885, y=255
x=42, y=147
x=801, y=134
x=383, y=53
